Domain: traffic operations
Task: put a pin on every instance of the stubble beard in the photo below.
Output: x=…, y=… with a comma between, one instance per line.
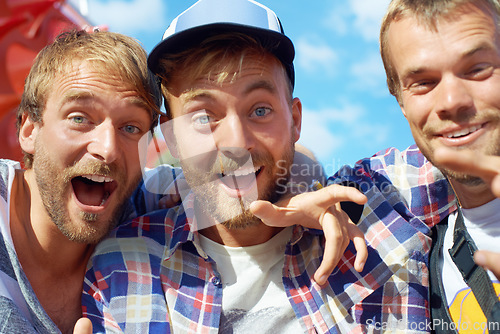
x=53, y=184
x=232, y=212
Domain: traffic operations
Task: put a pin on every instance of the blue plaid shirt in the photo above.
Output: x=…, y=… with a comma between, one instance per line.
x=152, y=275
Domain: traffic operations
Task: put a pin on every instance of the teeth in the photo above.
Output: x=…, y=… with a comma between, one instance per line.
x=463, y=132
x=98, y=178
x=242, y=172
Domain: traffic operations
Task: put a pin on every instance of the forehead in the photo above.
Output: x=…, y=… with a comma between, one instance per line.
x=468, y=27
x=88, y=82
x=227, y=74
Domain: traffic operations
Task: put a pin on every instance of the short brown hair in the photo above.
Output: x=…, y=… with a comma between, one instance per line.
x=428, y=12
x=108, y=51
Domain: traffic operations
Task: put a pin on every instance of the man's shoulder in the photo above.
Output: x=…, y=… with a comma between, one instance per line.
x=408, y=168
x=12, y=319
x=6, y=168
x=392, y=156
x=149, y=233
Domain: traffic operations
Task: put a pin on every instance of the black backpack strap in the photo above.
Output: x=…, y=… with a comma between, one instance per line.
x=462, y=254
x=440, y=315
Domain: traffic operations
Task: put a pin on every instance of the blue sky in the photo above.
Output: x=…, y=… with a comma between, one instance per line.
x=348, y=113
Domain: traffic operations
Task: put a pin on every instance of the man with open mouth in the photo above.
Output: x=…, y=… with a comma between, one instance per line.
x=88, y=99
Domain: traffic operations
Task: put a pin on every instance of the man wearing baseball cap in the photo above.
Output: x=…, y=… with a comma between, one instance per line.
x=227, y=76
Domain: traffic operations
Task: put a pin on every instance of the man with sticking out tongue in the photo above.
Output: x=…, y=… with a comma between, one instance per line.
x=227, y=77
x=88, y=99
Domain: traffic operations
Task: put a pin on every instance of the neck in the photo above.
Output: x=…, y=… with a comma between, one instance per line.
x=472, y=196
x=241, y=237
x=49, y=259
x=37, y=240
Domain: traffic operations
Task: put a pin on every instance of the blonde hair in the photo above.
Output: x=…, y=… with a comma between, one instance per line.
x=427, y=12
x=107, y=51
x=219, y=58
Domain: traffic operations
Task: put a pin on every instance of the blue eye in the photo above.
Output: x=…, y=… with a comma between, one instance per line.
x=201, y=120
x=261, y=112
x=131, y=129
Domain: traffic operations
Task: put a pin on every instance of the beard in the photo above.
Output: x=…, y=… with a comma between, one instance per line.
x=233, y=212
x=54, y=186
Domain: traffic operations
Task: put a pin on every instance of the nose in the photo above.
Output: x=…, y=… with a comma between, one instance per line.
x=234, y=138
x=103, y=145
x=454, y=97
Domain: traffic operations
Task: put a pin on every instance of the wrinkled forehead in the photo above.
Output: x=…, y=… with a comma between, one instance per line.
x=218, y=73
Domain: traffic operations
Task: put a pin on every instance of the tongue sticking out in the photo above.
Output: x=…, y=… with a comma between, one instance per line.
x=89, y=192
x=238, y=182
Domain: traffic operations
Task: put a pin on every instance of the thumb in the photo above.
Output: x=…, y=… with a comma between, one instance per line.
x=83, y=326
x=488, y=260
x=269, y=213
x=495, y=186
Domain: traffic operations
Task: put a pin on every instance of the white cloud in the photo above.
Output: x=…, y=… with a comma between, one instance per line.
x=338, y=19
x=368, y=16
x=128, y=17
x=324, y=131
x=329, y=132
x=361, y=17
x=317, y=136
x=315, y=56
x=368, y=75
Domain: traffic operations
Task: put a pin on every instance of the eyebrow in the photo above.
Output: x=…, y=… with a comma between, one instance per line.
x=261, y=84
x=195, y=94
x=84, y=96
x=478, y=48
x=76, y=95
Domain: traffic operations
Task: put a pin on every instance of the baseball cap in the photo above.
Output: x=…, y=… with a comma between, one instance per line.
x=211, y=17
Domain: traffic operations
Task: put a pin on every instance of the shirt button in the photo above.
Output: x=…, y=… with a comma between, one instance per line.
x=215, y=280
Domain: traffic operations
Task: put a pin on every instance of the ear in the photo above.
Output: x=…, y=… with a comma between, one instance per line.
x=296, y=118
x=403, y=110
x=167, y=130
x=28, y=132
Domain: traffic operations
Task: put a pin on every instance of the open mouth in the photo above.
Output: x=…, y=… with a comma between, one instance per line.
x=463, y=132
x=93, y=190
x=241, y=178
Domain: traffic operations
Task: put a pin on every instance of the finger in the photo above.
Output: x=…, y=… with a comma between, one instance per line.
x=269, y=213
x=469, y=162
x=83, y=326
x=489, y=261
x=92, y=29
x=335, y=245
x=169, y=201
x=358, y=238
x=334, y=193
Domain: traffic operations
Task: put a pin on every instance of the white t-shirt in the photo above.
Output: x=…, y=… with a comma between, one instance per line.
x=483, y=225
x=254, y=299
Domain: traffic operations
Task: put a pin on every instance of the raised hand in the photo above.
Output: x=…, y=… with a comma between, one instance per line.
x=320, y=210
x=486, y=167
